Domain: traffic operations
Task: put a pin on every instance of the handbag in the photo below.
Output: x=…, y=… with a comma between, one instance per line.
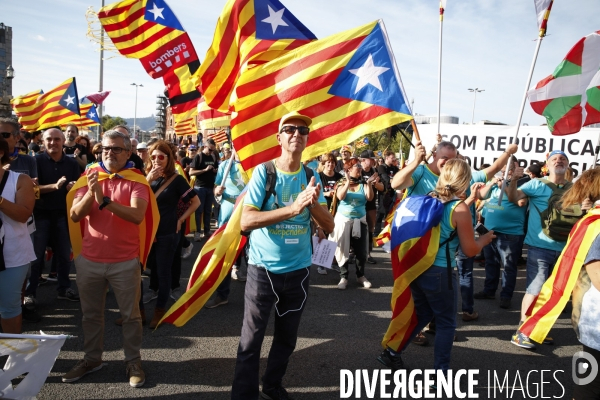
x=182, y=206
x=2, y=263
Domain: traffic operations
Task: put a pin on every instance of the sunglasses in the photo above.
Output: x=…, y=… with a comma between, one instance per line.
x=160, y=157
x=115, y=150
x=6, y=135
x=291, y=129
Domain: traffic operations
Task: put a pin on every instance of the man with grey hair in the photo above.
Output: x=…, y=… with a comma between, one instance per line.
x=134, y=158
x=113, y=210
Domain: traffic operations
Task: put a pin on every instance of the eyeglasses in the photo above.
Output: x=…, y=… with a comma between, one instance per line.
x=6, y=135
x=291, y=129
x=160, y=157
x=115, y=150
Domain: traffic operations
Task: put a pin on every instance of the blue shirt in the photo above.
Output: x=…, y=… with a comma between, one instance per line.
x=423, y=181
x=446, y=229
x=507, y=218
x=285, y=246
x=234, y=184
x=353, y=205
x=538, y=194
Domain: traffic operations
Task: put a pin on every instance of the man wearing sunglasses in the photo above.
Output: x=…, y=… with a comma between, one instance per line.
x=279, y=259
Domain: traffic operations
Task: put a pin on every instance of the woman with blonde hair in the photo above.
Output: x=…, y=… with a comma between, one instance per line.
x=431, y=291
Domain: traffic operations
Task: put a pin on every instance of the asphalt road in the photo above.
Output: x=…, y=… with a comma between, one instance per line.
x=339, y=330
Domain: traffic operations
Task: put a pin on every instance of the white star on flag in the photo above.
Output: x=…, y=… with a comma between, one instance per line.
x=157, y=12
x=69, y=100
x=290, y=201
x=403, y=211
x=368, y=74
x=93, y=114
x=275, y=18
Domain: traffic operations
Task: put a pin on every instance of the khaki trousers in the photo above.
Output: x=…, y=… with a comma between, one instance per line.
x=92, y=281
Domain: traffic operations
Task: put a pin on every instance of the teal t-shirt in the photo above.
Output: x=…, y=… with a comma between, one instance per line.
x=507, y=218
x=476, y=176
x=234, y=184
x=446, y=230
x=285, y=246
x=353, y=205
x=423, y=181
x=314, y=164
x=538, y=194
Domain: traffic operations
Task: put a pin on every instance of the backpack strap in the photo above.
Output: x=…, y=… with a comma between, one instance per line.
x=270, y=183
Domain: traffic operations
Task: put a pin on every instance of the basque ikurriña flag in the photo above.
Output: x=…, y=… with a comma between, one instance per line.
x=415, y=241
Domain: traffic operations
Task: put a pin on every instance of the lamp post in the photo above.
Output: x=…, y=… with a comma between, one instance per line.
x=474, y=100
x=9, y=74
x=135, y=109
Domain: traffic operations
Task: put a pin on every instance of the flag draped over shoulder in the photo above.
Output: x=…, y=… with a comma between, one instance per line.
x=347, y=83
x=89, y=117
x=248, y=32
x=415, y=241
x=570, y=97
x=557, y=290
x=212, y=266
x=48, y=109
x=148, y=226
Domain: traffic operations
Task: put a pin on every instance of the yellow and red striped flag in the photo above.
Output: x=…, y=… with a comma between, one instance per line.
x=248, y=33
x=542, y=9
x=186, y=127
x=212, y=266
x=557, y=290
x=212, y=119
x=219, y=136
x=415, y=241
x=386, y=232
x=442, y=9
x=49, y=109
x=89, y=117
x=348, y=84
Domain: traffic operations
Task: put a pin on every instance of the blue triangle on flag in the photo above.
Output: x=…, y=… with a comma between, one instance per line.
x=159, y=12
x=69, y=99
x=274, y=22
x=93, y=114
x=370, y=77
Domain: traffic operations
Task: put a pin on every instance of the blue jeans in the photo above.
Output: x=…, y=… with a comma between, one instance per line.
x=163, y=251
x=55, y=232
x=464, y=266
x=433, y=298
x=11, y=283
x=540, y=263
x=206, y=197
x=503, y=251
x=288, y=293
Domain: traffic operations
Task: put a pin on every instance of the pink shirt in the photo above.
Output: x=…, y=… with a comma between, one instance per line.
x=106, y=237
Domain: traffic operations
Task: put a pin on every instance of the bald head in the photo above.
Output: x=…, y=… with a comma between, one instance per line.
x=54, y=139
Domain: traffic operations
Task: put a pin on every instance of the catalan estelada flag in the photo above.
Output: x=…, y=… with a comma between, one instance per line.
x=49, y=109
x=558, y=288
x=347, y=83
x=248, y=33
x=186, y=127
x=415, y=241
x=386, y=232
x=148, y=226
x=212, y=266
x=88, y=117
x=212, y=119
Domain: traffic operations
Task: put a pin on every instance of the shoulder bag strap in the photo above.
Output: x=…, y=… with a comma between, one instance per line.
x=164, y=185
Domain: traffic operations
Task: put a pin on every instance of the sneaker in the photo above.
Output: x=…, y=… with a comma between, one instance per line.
x=186, y=252
x=81, y=369
x=469, y=316
x=420, y=339
x=522, y=340
x=30, y=314
x=321, y=271
x=505, y=303
x=42, y=281
x=363, y=281
x=237, y=275
x=343, y=283
x=149, y=296
x=29, y=302
x=52, y=277
x=371, y=260
x=176, y=293
x=548, y=341
x=204, y=234
x=135, y=373
x=394, y=363
x=276, y=393
x=197, y=237
x=216, y=302
x=68, y=294
x=483, y=295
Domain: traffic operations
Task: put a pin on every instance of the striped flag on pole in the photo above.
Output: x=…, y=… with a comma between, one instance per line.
x=219, y=136
x=542, y=9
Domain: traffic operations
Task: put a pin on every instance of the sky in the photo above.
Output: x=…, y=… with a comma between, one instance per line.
x=487, y=44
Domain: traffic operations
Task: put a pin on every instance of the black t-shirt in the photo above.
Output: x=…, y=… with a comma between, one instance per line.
x=70, y=150
x=371, y=205
x=339, y=166
x=167, y=202
x=137, y=162
x=185, y=161
x=206, y=179
x=328, y=183
x=386, y=174
x=49, y=172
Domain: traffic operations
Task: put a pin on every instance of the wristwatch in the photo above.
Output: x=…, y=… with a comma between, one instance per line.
x=105, y=201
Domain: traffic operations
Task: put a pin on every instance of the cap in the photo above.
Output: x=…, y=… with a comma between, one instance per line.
x=346, y=148
x=192, y=147
x=294, y=115
x=142, y=146
x=225, y=146
x=555, y=152
x=367, y=154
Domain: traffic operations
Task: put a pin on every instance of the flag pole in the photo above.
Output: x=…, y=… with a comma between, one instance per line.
x=439, y=98
x=101, y=77
x=520, y=117
x=597, y=152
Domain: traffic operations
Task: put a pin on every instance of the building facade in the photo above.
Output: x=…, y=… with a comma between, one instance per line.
x=5, y=62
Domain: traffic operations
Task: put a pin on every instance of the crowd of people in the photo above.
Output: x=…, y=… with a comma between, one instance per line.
x=110, y=192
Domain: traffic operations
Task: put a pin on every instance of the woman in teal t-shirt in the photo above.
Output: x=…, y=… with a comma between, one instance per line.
x=351, y=223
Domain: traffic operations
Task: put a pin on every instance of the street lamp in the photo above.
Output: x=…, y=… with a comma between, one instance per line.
x=135, y=110
x=474, y=100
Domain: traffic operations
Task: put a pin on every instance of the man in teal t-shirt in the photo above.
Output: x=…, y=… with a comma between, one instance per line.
x=279, y=260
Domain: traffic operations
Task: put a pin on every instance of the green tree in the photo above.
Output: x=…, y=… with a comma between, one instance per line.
x=109, y=122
